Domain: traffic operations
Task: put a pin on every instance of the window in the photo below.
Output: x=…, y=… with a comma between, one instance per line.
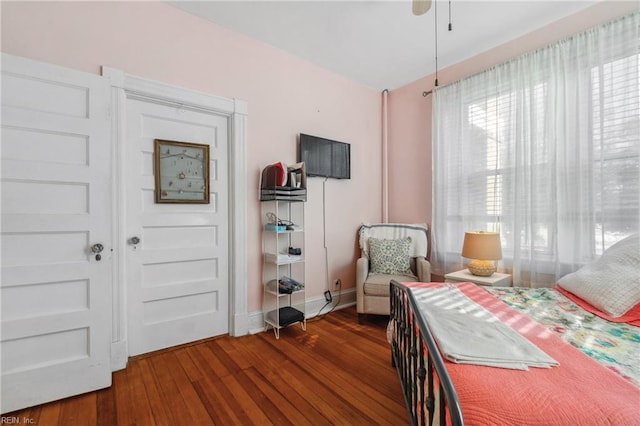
x=615, y=92
x=544, y=149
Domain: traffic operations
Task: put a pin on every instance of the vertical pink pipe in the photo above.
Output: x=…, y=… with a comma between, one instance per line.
x=385, y=159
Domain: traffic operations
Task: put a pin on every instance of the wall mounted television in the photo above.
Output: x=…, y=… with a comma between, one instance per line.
x=325, y=157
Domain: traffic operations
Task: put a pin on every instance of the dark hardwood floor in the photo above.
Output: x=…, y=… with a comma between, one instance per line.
x=337, y=372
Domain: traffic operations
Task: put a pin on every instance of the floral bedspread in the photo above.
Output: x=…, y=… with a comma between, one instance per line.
x=615, y=345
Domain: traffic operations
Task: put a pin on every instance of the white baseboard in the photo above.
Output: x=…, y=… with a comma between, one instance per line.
x=346, y=298
x=119, y=356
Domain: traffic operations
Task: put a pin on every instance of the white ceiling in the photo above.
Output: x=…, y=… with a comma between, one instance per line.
x=381, y=43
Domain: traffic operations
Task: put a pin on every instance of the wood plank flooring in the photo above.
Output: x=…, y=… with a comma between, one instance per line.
x=337, y=372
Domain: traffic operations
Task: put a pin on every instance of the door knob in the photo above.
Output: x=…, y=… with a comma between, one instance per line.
x=97, y=248
x=134, y=241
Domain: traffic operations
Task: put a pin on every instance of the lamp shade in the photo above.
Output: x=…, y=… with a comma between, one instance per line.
x=482, y=245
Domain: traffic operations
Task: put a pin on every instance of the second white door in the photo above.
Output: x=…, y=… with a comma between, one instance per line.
x=178, y=272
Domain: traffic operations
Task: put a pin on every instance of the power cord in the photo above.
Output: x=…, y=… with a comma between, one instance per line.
x=326, y=260
x=318, y=316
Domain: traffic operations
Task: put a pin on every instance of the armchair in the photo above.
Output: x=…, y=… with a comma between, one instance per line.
x=389, y=251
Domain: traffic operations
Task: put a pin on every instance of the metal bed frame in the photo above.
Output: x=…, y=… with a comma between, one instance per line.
x=419, y=363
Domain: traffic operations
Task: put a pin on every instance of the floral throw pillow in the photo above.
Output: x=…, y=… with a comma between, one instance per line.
x=390, y=256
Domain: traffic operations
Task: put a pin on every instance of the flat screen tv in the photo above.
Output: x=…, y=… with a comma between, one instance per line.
x=325, y=157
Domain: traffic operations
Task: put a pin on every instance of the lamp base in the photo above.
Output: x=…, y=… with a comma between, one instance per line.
x=482, y=268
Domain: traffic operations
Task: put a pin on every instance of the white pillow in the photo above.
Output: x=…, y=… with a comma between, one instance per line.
x=611, y=283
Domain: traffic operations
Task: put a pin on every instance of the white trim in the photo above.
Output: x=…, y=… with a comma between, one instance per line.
x=128, y=86
x=118, y=294
x=119, y=355
x=163, y=91
x=312, y=306
x=239, y=321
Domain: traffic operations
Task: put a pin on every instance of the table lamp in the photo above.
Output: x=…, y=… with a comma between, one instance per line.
x=483, y=248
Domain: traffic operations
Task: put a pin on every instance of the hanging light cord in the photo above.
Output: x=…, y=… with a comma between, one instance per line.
x=435, y=18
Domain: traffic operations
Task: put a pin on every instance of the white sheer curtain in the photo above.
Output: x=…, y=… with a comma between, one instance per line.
x=544, y=149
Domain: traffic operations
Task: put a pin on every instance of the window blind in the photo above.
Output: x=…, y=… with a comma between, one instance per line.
x=544, y=149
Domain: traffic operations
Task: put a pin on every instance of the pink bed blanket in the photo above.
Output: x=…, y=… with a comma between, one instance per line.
x=578, y=392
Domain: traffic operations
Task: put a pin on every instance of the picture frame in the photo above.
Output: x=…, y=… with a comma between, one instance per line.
x=181, y=172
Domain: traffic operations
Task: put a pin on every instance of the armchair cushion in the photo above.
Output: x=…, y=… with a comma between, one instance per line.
x=390, y=257
x=378, y=285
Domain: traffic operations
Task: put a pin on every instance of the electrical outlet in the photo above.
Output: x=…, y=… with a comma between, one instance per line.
x=336, y=283
x=327, y=296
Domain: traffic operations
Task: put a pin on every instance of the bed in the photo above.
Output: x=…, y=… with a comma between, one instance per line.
x=595, y=378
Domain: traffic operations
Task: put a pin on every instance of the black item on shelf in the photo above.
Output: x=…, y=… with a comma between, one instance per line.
x=283, y=190
x=283, y=193
x=285, y=285
x=296, y=251
x=289, y=285
x=289, y=315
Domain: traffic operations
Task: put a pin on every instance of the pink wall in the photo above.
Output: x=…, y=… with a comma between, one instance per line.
x=410, y=112
x=285, y=94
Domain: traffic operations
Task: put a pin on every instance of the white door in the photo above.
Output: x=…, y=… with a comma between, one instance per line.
x=56, y=204
x=178, y=272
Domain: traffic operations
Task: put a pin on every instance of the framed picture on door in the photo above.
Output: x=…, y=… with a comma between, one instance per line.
x=181, y=172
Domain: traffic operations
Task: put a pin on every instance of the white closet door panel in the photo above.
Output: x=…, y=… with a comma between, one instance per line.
x=28, y=275
x=34, y=121
x=38, y=145
x=55, y=96
x=52, y=173
x=36, y=299
x=22, y=222
x=56, y=203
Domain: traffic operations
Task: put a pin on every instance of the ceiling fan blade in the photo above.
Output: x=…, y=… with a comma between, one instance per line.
x=420, y=7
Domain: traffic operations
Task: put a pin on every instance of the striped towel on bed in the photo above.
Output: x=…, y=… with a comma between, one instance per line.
x=467, y=333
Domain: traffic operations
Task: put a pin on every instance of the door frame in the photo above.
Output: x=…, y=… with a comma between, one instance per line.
x=125, y=86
